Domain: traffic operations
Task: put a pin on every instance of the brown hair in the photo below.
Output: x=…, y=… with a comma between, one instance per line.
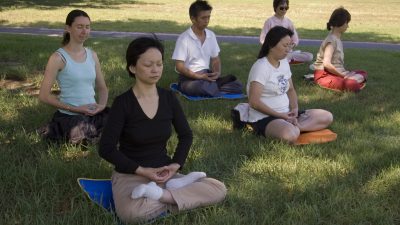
x=339, y=17
x=70, y=19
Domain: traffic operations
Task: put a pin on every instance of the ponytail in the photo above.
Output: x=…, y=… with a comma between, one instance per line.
x=328, y=26
x=66, y=38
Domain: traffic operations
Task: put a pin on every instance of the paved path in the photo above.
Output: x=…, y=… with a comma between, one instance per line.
x=166, y=36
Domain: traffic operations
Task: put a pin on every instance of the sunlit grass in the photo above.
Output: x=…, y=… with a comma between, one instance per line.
x=370, y=20
x=385, y=183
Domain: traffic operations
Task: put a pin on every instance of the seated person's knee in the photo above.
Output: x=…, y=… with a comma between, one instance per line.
x=351, y=85
x=219, y=188
x=137, y=214
x=359, y=78
x=328, y=118
x=289, y=134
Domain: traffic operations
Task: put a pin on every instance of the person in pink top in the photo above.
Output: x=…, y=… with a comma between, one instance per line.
x=279, y=19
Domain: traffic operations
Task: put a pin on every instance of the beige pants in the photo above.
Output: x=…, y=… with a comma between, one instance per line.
x=203, y=192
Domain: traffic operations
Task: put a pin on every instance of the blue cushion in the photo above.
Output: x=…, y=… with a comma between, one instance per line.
x=99, y=191
x=174, y=87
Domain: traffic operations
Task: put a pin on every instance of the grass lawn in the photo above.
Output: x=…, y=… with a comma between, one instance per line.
x=354, y=180
x=372, y=20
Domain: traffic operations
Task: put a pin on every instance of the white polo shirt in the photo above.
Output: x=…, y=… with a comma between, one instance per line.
x=276, y=84
x=188, y=48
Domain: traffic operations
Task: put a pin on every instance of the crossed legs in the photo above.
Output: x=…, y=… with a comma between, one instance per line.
x=132, y=207
x=153, y=191
x=311, y=120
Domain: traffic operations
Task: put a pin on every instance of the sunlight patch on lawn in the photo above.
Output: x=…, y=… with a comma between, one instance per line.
x=385, y=183
x=395, y=117
x=71, y=155
x=211, y=123
x=297, y=172
x=386, y=125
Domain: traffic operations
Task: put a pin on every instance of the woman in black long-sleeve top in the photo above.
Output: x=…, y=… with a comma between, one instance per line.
x=145, y=182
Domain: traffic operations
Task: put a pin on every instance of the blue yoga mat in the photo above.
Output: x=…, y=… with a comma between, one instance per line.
x=174, y=87
x=99, y=191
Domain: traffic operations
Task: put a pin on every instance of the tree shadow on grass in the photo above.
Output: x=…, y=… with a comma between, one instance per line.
x=320, y=34
x=53, y=4
x=166, y=26
x=228, y=155
x=339, y=199
x=223, y=153
x=31, y=166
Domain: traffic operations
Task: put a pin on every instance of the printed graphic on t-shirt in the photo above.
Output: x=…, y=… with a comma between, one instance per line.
x=283, y=84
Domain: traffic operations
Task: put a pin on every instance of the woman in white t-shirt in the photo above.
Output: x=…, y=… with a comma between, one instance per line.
x=272, y=98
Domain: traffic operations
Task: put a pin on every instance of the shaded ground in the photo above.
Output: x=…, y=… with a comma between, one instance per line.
x=18, y=84
x=169, y=36
x=29, y=87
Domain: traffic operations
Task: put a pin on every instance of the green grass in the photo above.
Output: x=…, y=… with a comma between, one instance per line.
x=372, y=20
x=354, y=180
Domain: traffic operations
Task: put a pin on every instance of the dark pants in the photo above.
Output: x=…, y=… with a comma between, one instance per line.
x=74, y=128
x=199, y=88
x=223, y=85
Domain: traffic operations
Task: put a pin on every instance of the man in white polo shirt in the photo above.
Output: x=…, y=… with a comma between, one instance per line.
x=197, y=59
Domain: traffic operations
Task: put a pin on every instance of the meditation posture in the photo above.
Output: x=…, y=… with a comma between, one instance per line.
x=273, y=104
x=77, y=70
x=329, y=65
x=146, y=183
x=279, y=19
x=197, y=50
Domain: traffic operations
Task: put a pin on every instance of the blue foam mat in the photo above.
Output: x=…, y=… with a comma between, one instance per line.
x=174, y=87
x=99, y=191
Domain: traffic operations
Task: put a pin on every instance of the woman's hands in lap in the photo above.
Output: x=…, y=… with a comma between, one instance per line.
x=158, y=175
x=90, y=109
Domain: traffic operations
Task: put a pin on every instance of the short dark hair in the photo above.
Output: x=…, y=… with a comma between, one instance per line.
x=280, y=2
x=139, y=46
x=273, y=37
x=339, y=17
x=198, y=6
x=70, y=19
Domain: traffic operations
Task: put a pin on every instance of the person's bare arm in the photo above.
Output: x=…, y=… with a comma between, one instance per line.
x=327, y=62
x=100, y=86
x=215, y=67
x=54, y=65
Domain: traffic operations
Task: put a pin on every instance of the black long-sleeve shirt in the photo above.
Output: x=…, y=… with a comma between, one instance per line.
x=142, y=141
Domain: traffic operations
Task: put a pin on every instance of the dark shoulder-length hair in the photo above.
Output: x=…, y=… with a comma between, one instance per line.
x=70, y=19
x=339, y=17
x=273, y=37
x=139, y=46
